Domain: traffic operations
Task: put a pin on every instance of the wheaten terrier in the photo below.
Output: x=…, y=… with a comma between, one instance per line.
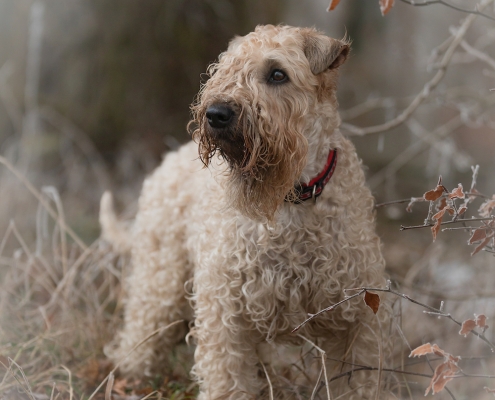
x=271, y=222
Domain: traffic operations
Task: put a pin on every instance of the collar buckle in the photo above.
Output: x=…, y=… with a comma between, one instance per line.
x=315, y=186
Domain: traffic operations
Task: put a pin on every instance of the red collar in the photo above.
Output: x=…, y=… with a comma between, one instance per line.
x=315, y=186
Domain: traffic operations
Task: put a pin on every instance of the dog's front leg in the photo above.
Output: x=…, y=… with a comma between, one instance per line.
x=226, y=359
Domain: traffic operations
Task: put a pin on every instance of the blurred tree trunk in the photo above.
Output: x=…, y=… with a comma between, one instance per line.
x=137, y=68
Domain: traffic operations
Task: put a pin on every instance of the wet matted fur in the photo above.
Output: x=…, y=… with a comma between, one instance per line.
x=259, y=261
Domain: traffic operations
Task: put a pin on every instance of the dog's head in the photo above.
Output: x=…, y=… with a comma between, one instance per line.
x=270, y=94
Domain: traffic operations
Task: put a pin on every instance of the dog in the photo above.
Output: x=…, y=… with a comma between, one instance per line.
x=267, y=214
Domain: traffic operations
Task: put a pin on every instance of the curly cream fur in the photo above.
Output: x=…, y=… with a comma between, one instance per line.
x=258, y=264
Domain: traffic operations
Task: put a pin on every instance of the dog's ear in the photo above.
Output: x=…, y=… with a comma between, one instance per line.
x=324, y=52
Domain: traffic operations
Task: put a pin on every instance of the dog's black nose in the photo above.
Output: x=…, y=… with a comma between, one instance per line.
x=219, y=116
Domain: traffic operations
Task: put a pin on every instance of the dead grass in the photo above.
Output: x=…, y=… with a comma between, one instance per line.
x=61, y=303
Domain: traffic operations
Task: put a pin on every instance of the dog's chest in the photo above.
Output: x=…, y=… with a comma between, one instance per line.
x=288, y=263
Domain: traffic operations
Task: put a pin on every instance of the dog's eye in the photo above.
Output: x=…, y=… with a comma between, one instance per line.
x=278, y=76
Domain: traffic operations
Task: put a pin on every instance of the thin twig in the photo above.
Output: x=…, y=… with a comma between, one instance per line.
x=464, y=375
x=389, y=203
x=108, y=389
x=367, y=106
x=366, y=368
x=53, y=390
x=429, y=309
x=28, y=392
x=414, y=149
x=268, y=379
x=316, y=388
x=476, y=170
x=313, y=316
x=43, y=202
x=151, y=394
x=405, y=228
x=457, y=228
x=442, y=2
x=429, y=86
x=422, y=200
x=480, y=55
x=71, y=389
x=323, y=362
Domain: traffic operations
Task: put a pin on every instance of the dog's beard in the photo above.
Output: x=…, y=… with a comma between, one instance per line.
x=263, y=164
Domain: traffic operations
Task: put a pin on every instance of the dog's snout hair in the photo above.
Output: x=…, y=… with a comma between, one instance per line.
x=223, y=131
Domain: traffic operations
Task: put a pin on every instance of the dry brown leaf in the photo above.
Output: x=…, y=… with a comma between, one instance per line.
x=121, y=387
x=439, y=215
x=438, y=218
x=481, y=321
x=478, y=234
x=427, y=348
x=333, y=4
x=91, y=370
x=457, y=193
x=451, y=358
x=442, y=204
x=444, y=373
x=462, y=210
x=435, y=229
x=422, y=350
x=95, y=370
x=483, y=244
x=372, y=300
x=467, y=326
x=144, y=391
x=386, y=6
x=438, y=370
x=487, y=207
x=434, y=194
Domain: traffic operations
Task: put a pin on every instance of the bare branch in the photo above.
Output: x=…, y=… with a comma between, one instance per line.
x=442, y=2
x=409, y=200
x=331, y=308
x=428, y=87
x=475, y=170
x=367, y=106
x=413, y=150
x=478, y=54
x=405, y=228
x=438, y=312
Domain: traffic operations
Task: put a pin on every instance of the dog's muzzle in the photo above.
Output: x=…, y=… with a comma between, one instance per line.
x=222, y=125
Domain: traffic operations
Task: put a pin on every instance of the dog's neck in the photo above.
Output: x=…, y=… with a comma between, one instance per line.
x=321, y=136
x=314, y=187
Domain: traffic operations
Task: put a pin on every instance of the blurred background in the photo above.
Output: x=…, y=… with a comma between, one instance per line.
x=94, y=93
